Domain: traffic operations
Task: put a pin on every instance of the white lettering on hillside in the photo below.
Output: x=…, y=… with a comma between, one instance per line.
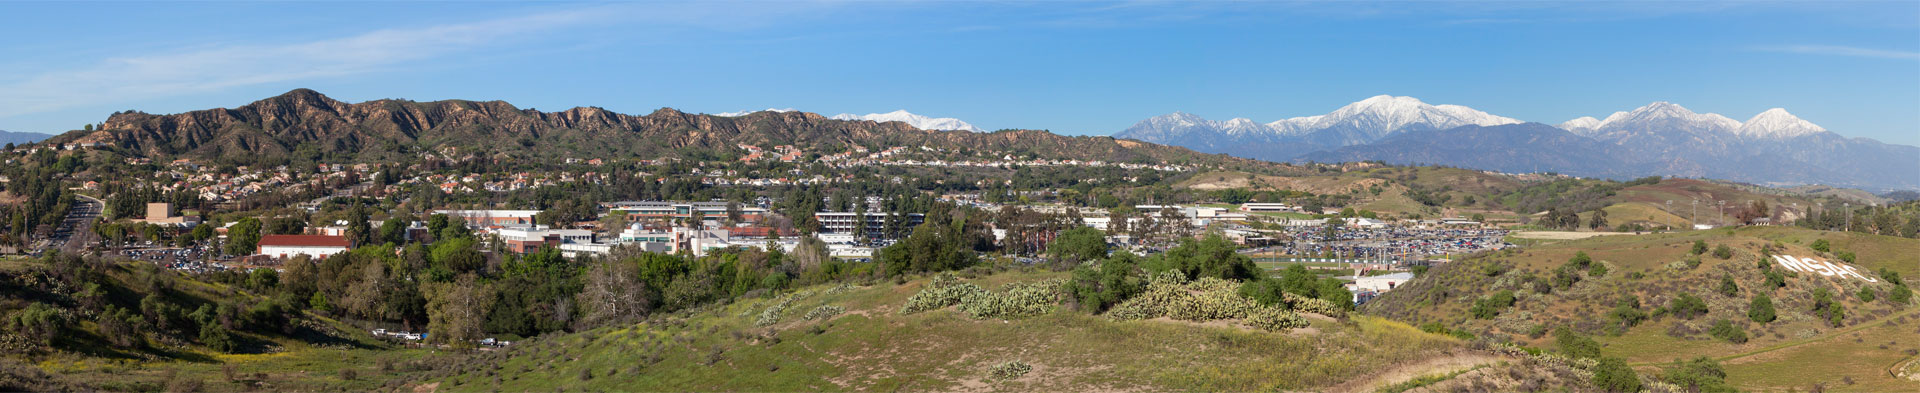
x=1824, y=268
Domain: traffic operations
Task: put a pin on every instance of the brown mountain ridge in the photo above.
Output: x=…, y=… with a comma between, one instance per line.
x=306, y=123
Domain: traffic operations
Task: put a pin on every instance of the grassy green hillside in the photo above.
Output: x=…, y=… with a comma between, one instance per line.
x=1797, y=349
x=870, y=346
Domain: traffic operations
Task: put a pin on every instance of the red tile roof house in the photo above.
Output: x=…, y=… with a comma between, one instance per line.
x=315, y=246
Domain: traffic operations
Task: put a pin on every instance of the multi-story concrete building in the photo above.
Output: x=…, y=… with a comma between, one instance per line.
x=642, y=210
x=876, y=222
x=493, y=218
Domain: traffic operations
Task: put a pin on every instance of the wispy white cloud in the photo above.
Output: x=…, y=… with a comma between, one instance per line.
x=1833, y=50
x=220, y=67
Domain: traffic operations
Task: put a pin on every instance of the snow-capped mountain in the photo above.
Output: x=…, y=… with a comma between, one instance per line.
x=1776, y=123
x=1357, y=123
x=744, y=113
x=1385, y=114
x=1585, y=125
x=1662, y=115
x=917, y=121
x=1661, y=138
x=1773, y=124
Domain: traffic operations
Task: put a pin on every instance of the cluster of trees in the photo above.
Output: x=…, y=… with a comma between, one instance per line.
x=141, y=307
x=1898, y=219
x=44, y=199
x=1102, y=280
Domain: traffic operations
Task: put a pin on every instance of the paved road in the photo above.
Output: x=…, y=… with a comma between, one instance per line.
x=76, y=230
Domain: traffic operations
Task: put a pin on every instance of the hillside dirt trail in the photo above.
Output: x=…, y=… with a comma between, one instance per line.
x=1821, y=338
x=1406, y=372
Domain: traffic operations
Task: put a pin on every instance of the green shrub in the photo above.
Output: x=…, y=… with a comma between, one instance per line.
x=1009, y=370
x=1490, y=306
x=1775, y=279
x=1699, y=247
x=1687, y=306
x=824, y=312
x=1702, y=374
x=1275, y=319
x=1724, y=330
x=1576, y=345
x=945, y=290
x=1761, y=310
x=1722, y=252
x=1900, y=295
x=1822, y=245
x=1891, y=277
x=1727, y=287
x=1626, y=314
x=1846, y=256
x=1014, y=300
x=1866, y=294
x=1613, y=375
x=1580, y=260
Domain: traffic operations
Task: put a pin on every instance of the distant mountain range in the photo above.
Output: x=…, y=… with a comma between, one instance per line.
x=21, y=137
x=1772, y=148
x=305, y=123
x=915, y=120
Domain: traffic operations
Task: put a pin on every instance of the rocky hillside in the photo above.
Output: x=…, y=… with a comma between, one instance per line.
x=1652, y=299
x=304, y=122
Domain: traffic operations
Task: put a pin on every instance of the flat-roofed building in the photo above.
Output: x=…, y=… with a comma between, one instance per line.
x=876, y=222
x=530, y=240
x=492, y=218
x=314, y=246
x=1257, y=207
x=641, y=210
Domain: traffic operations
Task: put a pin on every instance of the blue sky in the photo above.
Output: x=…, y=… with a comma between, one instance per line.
x=1070, y=67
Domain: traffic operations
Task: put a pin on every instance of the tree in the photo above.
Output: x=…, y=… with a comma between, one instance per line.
x=359, y=231
x=1761, y=309
x=393, y=231
x=1095, y=289
x=1212, y=256
x=243, y=238
x=1599, y=220
x=218, y=338
x=1078, y=244
x=456, y=311
x=613, y=292
x=38, y=322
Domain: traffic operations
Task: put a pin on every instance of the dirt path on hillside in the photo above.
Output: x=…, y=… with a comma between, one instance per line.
x=1821, y=338
x=1562, y=235
x=1406, y=372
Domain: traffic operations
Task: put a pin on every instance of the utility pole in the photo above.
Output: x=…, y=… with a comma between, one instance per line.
x=1693, y=213
x=1849, y=207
